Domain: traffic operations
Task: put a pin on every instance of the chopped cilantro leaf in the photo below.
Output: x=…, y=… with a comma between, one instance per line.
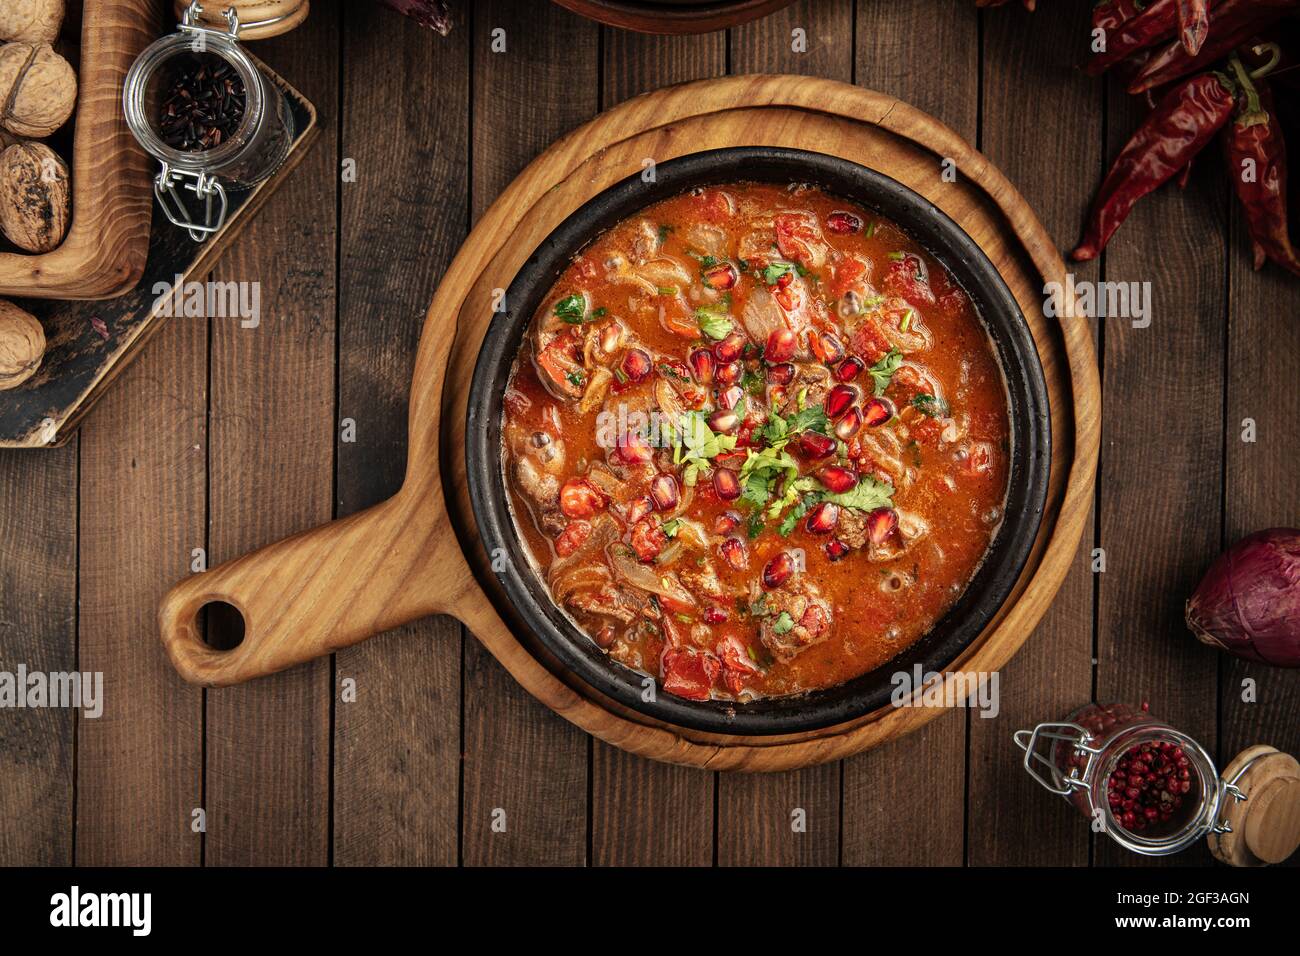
x=572, y=309
x=778, y=430
x=867, y=495
x=774, y=272
x=694, y=444
x=883, y=371
x=783, y=624
x=752, y=382
x=714, y=323
x=670, y=528
x=794, y=487
x=756, y=489
x=930, y=405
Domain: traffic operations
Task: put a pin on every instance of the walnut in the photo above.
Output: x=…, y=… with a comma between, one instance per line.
x=33, y=21
x=38, y=89
x=34, y=197
x=22, y=345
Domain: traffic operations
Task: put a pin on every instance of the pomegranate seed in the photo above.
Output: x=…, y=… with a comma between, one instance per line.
x=664, y=491
x=735, y=554
x=714, y=615
x=781, y=345
x=730, y=397
x=778, y=570
x=827, y=347
x=849, y=369
x=838, y=478
x=721, y=277
x=726, y=484
x=638, y=509
x=723, y=420
x=877, y=411
x=843, y=223
x=880, y=523
x=815, y=445
x=635, y=450
x=823, y=518
x=636, y=365
x=729, y=373
x=726, y=522
x=730, y=348
x=702, y=365
x=838, y=400
x=836, y=549
x=781, y=373
x=848, y=425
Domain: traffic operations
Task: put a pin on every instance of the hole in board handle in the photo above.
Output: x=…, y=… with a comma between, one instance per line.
x=222, y=625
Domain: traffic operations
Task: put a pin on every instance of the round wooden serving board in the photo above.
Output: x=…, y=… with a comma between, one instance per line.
x=406, y=558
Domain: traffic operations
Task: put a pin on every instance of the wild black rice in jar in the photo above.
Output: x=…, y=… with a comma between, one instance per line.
x=203, y=103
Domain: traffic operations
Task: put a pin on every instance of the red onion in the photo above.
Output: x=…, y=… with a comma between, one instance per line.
x=427, y=13
x=1248, y=603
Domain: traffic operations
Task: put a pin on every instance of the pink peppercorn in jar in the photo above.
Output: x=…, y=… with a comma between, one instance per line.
x=1153, y=789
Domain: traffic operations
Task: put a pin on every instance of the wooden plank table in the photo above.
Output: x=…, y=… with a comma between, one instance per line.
x=415, y=748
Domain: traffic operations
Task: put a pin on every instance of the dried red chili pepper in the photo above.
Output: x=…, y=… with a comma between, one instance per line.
x=1149, y=26
x=1235, y=22
x=1111, y=14
x=1193, y=24
x=1180, y=126
x=1256, y=155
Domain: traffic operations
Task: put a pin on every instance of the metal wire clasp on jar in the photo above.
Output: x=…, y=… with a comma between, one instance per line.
x=1152, y=789
x=208, y=166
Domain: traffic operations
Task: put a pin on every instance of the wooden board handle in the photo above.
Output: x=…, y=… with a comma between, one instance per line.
x=319, y=591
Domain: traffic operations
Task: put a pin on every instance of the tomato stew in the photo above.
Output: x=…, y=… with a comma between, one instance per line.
x=756, y=441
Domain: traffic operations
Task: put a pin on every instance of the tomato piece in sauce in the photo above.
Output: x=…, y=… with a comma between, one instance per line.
x=690, y=673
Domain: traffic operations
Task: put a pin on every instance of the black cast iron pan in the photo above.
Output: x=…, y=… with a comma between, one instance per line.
x=1030, y=438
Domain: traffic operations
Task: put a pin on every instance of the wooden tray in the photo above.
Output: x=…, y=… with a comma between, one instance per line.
x=104, y=252
x=336, y=585
x=91, y=343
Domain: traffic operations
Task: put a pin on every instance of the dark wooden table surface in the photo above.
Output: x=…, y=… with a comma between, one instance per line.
x=225, y=438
